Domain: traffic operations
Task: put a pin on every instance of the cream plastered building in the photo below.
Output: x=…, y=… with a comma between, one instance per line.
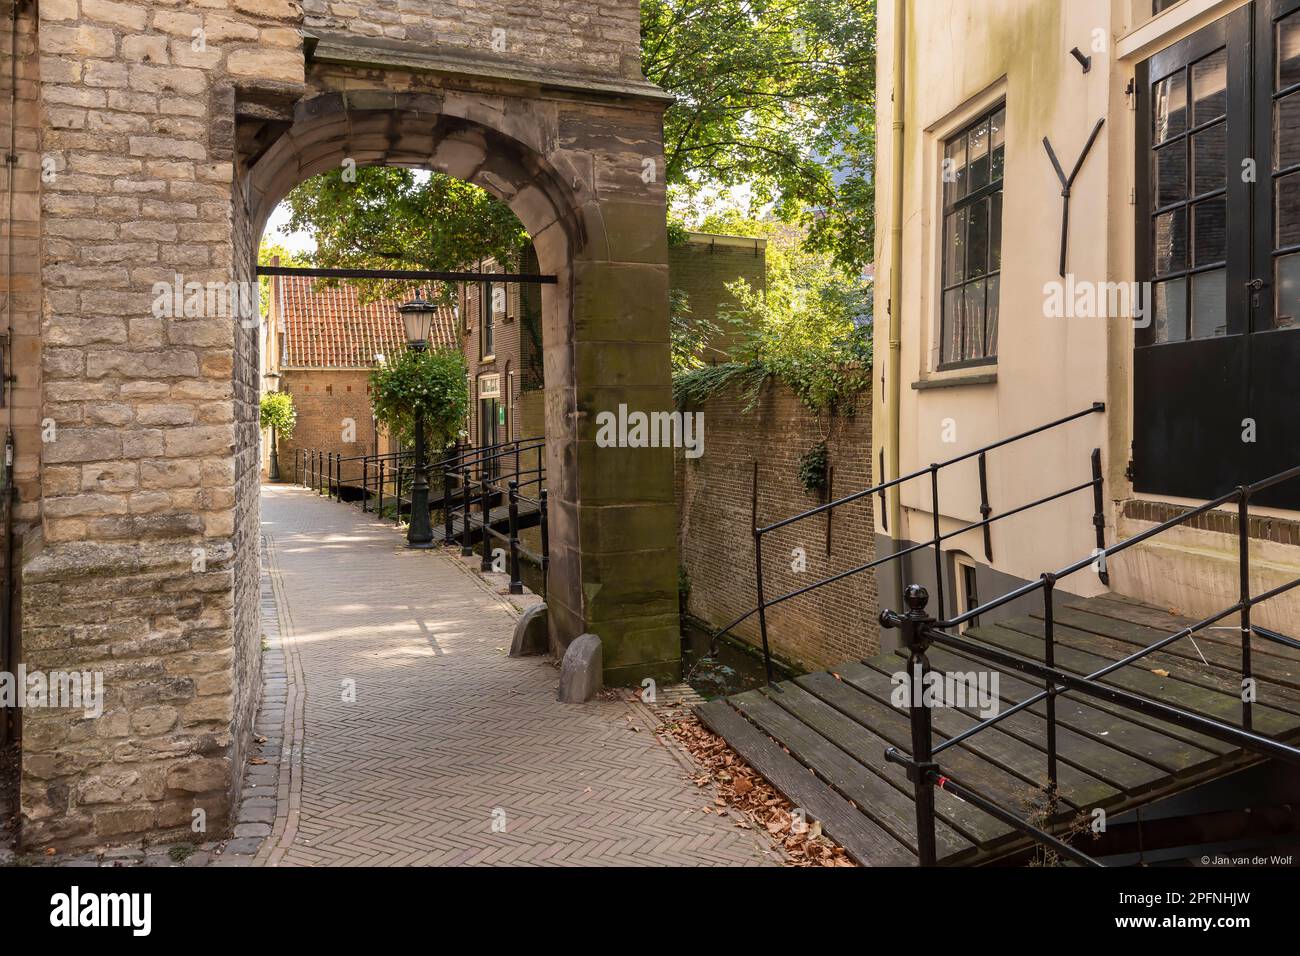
x=1177, y=306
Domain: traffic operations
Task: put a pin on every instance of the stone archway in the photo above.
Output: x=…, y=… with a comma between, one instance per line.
x=604, y=332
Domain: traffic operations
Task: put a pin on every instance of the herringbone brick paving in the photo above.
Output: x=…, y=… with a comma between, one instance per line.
x=449, y=752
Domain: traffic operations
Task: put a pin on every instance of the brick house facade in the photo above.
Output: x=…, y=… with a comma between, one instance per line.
x=501, y=337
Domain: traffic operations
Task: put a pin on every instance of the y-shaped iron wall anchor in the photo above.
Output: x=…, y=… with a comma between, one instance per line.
x=1067, y=182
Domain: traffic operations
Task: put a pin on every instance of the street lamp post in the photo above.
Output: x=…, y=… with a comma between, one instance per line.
x=273, y=379
x=417, y=318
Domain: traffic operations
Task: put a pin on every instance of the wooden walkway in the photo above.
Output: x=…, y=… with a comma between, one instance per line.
x=820, y=739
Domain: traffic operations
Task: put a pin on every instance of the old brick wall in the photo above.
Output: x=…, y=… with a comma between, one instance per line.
x=323, y=398
x=714, y=494
x=602, y=39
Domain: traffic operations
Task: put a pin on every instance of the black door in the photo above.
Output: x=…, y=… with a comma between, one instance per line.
x=1275, y=276
x=487, y=425
x=1212, y=389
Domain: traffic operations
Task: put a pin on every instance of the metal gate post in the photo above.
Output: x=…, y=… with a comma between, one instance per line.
x=516, y=583
x=915, y=625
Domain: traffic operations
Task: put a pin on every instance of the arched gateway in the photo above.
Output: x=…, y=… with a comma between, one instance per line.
x=142, y=562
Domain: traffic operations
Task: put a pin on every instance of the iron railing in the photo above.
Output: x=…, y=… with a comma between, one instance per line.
x=480, y=475
x=471, y=476
x=381, y=479
x=988, y=518
x=920, y=630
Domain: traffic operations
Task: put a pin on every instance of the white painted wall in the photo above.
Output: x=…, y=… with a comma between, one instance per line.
x=964, y=55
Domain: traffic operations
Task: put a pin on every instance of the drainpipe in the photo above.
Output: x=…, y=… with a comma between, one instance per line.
x=895, y=392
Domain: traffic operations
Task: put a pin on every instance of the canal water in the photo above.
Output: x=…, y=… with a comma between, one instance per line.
x=730, y=670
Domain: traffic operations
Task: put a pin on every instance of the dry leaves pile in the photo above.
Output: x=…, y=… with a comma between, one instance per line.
x=749, y=800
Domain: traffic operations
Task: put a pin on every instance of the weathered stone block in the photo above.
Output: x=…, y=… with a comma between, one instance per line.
x=581, y=670
x=199, y=776
x=530, y=633
x=114, y=823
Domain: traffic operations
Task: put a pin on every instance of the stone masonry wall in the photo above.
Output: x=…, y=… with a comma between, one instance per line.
x=246, y=380
x=148, y=568
x=824, y=627
x=601, y=38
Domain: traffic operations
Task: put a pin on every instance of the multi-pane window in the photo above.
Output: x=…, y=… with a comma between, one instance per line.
x=972, y=241
x=1286, y=172
x=1189, y=185
x=487, y=334
x=1218, y=217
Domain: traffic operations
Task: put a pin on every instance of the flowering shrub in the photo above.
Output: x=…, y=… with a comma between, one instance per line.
x=435, y=382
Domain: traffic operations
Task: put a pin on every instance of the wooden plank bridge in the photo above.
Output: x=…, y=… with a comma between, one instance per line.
x=821, y=738
x=529, y=515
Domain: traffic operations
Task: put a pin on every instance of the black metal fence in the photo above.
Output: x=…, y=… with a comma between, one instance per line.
x=498, y=472
x=988, y=518
x=509, y=474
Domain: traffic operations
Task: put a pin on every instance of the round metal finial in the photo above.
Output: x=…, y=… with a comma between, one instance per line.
x=916, y=597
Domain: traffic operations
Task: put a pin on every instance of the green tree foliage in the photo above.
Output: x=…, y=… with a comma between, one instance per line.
x=267, y=254
x=277, y=412
x=433, y=381
x=777, y=96
x=392, y=218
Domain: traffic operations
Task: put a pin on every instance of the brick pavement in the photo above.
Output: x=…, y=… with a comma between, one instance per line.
x=451, y=752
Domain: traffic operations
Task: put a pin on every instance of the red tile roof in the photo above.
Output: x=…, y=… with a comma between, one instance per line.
x=330, y=328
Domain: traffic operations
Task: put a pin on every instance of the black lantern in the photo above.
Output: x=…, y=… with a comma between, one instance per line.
x=273, y=384
x=417, y=318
